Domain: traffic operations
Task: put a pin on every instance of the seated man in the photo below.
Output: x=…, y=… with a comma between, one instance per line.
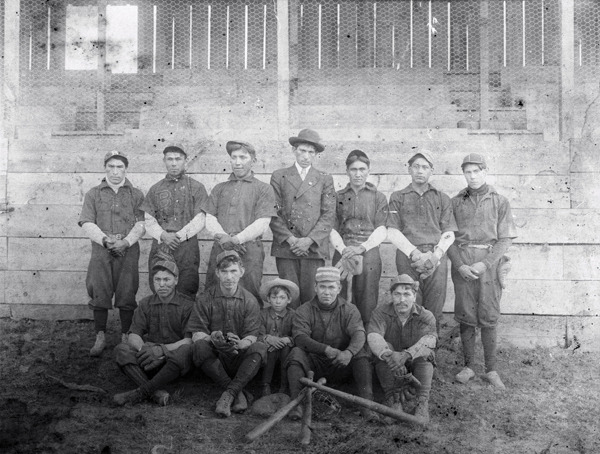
x=166, y=352
x=402, y=335
x=329, y=337
x=224, y=327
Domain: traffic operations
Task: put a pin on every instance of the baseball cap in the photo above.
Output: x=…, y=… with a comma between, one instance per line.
x=233, y=145
x=404, y=279
x=327, y=274
x=115, y=154
x=174, y=149
x=421, y=154
x=225, y=254
x=474, y=158
x=171, y=267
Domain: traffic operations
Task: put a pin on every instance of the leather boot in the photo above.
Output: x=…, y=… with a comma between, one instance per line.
x=99, y=345
x=223, y=407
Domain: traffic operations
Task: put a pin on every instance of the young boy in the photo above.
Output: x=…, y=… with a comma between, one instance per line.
x=276, y=328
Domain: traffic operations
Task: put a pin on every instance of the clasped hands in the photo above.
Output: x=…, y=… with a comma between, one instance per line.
x=472, y=272
x=339, y=358
x=396, y=361
x=425, y=263
x=150, y=356
x=300, y=246
x=116, y=247
x=276, y=343
x=230, y=243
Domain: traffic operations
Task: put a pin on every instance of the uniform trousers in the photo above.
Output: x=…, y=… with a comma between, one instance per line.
x=108, y=276
x=302, y=273
x=365, y=286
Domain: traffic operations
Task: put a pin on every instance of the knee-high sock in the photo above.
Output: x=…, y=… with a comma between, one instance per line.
x=488, y=339
x=215, y=370
x=423, y=371
x=467, y=336
x=100, y=319
x=248, y=369
x=126, y=318
x=169, y=372
x=267, y=374
x=294, y=374
x=136, y=373
x=363, y=375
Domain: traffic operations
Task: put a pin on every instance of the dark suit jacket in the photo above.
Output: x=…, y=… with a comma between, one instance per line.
x=304, y=209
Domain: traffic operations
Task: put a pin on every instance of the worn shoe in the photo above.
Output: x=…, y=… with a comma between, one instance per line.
x=494, y=379
x=124, y=338
x=161, y=397
x=99, y=346
x=129, y=397
x=223, y=407
x=465, y=375
x=422, y=409
x=296, y=413
x=395, y=403
x=240, y=403
x=369, y=415
x=265, y=390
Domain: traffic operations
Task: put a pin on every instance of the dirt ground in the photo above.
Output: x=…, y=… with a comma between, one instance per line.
x=550, y=406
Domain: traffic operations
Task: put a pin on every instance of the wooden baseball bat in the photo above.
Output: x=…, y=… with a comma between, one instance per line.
x=305, y=430
x=387, y=411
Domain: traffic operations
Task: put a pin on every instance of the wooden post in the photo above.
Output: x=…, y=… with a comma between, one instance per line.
x=567, y=69
x=101, y=93
x=10, y=78
x=484, y=66
x=283, y=68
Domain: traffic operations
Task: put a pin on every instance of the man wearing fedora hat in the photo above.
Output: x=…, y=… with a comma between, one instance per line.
x=239, y=211
x=421, y=225
x=175, y=213
x=158, y=349
x=306, y=201
x=113, y=220
x=402, y=336
x=224, y=327
x=329, y=336
x=485, y=232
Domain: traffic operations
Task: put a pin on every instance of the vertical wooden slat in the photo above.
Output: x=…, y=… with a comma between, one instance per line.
x=365, y=37
x=384, y=38
x=329, y=38
x=347, y=58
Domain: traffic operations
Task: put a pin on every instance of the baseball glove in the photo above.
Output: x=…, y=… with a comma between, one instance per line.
x=504, y=267
x=350, y=267
x=325, y=406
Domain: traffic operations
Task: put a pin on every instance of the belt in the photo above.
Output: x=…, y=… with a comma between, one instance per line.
x=476, y=245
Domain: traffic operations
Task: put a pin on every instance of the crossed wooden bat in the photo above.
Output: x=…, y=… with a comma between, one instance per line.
x=306, y=394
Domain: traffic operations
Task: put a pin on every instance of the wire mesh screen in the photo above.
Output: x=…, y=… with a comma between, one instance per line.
x=135, y=57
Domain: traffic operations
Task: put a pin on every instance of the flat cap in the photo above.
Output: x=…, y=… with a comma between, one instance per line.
x=421, y=154
x=115, y=154
x=308, y=136
x=171, y=267
x=267, y=286
x=404, y=279
x=174, y=149
x=225, y=254
x=327, y=274
x=233, y=145
x=474, y=158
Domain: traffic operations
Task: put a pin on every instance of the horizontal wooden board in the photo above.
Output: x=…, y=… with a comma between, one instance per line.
x=585, y=190
x=586, y=155
x=506, y=155
x=541, y=191
x=47, y=312
x=573, y=226
x=582, y=262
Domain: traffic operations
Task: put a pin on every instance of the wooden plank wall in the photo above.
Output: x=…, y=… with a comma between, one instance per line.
x=45, y=255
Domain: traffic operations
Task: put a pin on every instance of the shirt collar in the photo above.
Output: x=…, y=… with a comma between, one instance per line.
x=124, y=183
x=170, y=178
x=416, y=310
x=368, y=187
x=275, y=315
x=237, y=294
x=248, y=177
x=491, y=190
x=408, y=189
x=299, y=169
x=175, y=300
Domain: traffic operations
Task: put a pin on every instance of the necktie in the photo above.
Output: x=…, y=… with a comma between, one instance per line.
x=303, y=173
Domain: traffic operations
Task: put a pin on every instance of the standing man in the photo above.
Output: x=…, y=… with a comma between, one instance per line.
x=359, y=230
x=485, y=232
x=175, y=213
x=306, y=201
x=224, y=326
x=329, y=336
x=158, y=350
x=112, y=218
x=238, y=214
x=421, y=225
x=402, y=335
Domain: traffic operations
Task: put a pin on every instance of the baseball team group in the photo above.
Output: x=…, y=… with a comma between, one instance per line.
x=326, y=319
